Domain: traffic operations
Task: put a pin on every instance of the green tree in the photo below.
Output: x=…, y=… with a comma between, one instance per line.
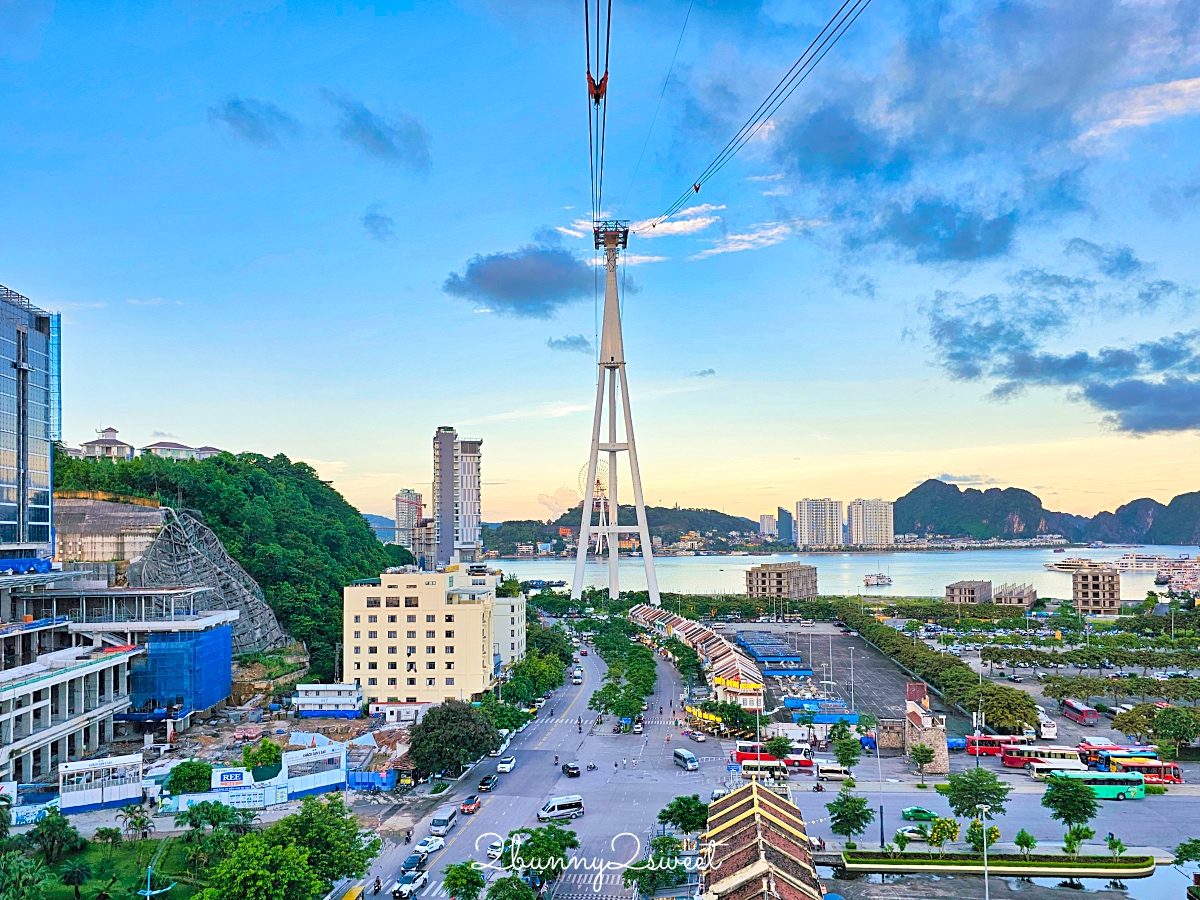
x=921, y=755
x=21, y=878
x=540, y=853
x=1069, y=800
x=686, y=814
x=941, y=832
x=510, y=888
x=1025, y=842
x=973, y=788
x=975, y=835
x=1074, y=838
x=660, y=869
x=330, y=836
x=75, y=874
x=847, y=751
x=5, y=817
x=449, y=737
x=265, y=753
x=110, y=836
x=901, y=840
x=1137, y=722
x=1187, y=851
x=778, y=746
x=1179, y=726
x=55, y=836
x=192, y=776
x=260, y=870
x=849, y=815
x=464, y=880
x=136, y=822
x=1116, y=847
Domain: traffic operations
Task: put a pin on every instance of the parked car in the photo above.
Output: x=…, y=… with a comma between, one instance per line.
x=409, y=884
x=487, y=783
x=570, y=770
x=506, y=764
x=471, y=804
x=917, y=814
x=429, y=845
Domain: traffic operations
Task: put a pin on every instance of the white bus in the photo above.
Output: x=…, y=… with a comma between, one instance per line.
x=1043, y=770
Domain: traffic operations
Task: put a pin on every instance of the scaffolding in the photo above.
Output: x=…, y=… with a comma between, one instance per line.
x=186, y=553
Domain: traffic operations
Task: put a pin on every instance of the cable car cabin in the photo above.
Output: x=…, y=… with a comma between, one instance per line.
x=1080, y=712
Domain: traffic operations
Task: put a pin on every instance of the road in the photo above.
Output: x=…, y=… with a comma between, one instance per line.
x=634, y=779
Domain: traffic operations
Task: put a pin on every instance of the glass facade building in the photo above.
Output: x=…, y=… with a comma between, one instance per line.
x=29, y=404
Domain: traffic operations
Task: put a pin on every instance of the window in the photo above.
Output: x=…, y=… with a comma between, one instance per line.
x=512, y=633
x=357, y=619
x=449, y=617
x=411, y=667
x=371, y=650
x=431, y=618
x=357, y=667
x=512, y=646
x=411, y=682
x=450, y=649
x=372, y=603
x=372, y=619
x=357, y=634
x=392, y=635
x=393, y=601
x=409, y=651
x=449, y=682
x=431, y=649
x=392, y=666
x=430, y=634
x=373, y=635
x=372, y=665
x=392, y=619
x=410, y=699
x=391, y=651
x=430, y=665
x=372, y=681
x=410, y=602
x=450, y=633
x=410, y=618
x=450, y=665
x=391, y=682
x=430, y=682
x=358, y=649
x=412, y=635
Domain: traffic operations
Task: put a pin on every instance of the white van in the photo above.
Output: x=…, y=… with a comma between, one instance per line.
x=832, y=773
x=568, y=807
x=686, y=759
x=443, y=820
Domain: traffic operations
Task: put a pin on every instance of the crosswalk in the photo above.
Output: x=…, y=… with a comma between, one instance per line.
x=571, y=886
x=588, y=723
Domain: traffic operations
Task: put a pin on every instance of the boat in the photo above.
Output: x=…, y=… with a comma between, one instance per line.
x=1059, y=550
x=877, y=580
x=1070, y=564
x=1147, y=562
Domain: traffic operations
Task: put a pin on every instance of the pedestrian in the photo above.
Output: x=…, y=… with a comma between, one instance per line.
x=622, y=762
x=635, y=763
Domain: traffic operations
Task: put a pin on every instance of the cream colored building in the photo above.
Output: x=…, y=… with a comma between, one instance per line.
x=871, y=523
x=819, y=523
x=786, y=580
x=1096, y=589
x=509, y=619
x=422, y=637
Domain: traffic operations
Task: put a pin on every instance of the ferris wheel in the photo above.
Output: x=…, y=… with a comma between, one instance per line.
x=599, y=500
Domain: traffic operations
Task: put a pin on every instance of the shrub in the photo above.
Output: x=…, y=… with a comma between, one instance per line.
x=922, y=786
x=439, y=787
x=1155, y=789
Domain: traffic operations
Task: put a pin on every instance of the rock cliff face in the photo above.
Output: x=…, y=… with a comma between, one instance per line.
x=936, y=507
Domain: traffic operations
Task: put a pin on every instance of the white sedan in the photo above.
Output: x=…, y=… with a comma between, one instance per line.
x=507, y=764
x=430, y=844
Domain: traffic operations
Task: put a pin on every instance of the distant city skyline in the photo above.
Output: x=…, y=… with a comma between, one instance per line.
x=965, y=246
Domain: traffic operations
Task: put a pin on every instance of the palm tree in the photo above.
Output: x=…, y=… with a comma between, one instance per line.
x=75, y=873
x=136, y=821
x=243, y=822
x=110, y=836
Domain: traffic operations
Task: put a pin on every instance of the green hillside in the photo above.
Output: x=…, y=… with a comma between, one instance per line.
x=668, y=522
x=297, y=536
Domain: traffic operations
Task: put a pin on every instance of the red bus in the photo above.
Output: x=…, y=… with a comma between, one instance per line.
x=1080, y=712
x=752, y=751
x=991, y=744
x=1023, y=757
x=1154, y=771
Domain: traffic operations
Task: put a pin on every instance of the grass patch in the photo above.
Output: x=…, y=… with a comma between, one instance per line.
x=1155, y=789
x=128, y=863
x=439, y=787
x=922, y=787
x=997, y=859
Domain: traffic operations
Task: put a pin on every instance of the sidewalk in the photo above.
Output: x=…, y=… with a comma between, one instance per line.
x=1161, y=857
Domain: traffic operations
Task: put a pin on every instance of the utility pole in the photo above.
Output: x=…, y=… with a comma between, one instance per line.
x=613, y=237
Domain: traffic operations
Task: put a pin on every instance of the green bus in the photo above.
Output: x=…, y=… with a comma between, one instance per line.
x=1110, y=785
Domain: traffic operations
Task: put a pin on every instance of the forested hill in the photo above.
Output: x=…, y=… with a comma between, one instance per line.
x=669, y=521
x=935, y=507
x=296, y=535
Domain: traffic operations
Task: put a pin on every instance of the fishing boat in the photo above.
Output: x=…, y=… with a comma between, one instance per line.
x=878, y=579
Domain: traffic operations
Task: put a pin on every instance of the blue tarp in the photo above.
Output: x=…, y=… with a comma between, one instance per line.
x=384, y=781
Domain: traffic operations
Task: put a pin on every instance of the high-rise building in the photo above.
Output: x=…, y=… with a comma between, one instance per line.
x=408, y=516
x=870, y=523
x=785, y=527
x=457, y=508
x=29, y=403
x=422, y=637
x=767, y=526
x=509, y=625
x=819, y=523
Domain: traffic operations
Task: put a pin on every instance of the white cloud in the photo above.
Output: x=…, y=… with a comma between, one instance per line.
x=556, y=409
x=570, y=232
x=149, y=301
x=328, y=469
x=647, y=228
x=778, y=176
x=764, y=235
x=560, y=501
x=1142, y=106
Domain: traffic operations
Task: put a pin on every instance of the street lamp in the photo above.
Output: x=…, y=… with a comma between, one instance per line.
x=984, y=809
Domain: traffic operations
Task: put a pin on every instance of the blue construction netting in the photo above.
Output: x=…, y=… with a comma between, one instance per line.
x=182, y=671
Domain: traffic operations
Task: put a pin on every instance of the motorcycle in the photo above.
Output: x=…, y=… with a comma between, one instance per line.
x=818, y=788
x=408, y=837
x=591, y=767
x=378, y=886
x=556, y=759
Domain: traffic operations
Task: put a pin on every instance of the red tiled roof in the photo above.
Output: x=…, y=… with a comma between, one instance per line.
x=916, y=691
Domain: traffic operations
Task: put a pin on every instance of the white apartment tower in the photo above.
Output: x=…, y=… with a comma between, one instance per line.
x=457, y=508
x=819, y=523
x=408, y=516
x=767, y=526
x=871, y=523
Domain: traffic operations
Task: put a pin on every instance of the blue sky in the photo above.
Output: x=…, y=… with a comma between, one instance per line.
x=965, y=246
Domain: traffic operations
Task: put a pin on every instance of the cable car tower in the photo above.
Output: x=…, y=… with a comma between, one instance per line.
x=612, y=237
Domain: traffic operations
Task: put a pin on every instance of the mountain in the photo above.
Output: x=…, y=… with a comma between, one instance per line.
x=935, y=507
x=672, y=521
x=384, y=528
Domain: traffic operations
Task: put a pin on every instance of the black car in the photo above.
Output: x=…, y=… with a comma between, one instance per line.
x=487, y=783
x=570, y=770
x=414, y=863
